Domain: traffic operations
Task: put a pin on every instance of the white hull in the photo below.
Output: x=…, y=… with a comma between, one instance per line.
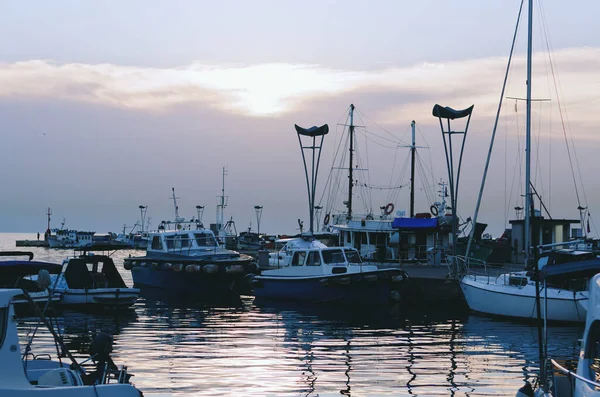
x=490, y=296
x=110, y=297
x=56, y=243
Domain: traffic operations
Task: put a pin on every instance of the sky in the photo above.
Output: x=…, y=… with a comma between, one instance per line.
x=105, y=106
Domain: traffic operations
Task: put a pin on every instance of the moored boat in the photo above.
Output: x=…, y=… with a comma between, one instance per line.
x=318, y=273
x=92, y=281
x=43, y=377
x=190, y=262
x=565, y=274
x=14, y=273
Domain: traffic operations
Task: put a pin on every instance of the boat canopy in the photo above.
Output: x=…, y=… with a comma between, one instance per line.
x=21, y=268
x=576, y=269
x=415, y=223
x=79, y=276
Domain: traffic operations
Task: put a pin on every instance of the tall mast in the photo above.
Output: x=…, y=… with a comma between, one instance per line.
x=221, y=206
x=49, y=213
x=413, y=149
x=528, y=197
x=350, y=180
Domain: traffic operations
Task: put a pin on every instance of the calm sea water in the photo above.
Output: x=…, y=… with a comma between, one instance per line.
x=243, y=348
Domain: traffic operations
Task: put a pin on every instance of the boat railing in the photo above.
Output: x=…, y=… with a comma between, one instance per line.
x=571, y=374
x=463, y=265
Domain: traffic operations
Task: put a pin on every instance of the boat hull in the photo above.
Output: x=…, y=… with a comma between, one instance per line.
x=519, y=301
x=99, y=297
x=380, y=286
x=190, y=283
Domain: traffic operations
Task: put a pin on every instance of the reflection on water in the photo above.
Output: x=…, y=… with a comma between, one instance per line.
x=265, y=349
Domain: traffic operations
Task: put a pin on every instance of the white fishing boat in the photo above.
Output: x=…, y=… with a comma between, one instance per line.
x=68, y=238
x=21, y=376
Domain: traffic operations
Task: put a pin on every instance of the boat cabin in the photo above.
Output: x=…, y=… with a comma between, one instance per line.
x=375, y=239
x=315, y=261
x=182, y=242
x=329, y=256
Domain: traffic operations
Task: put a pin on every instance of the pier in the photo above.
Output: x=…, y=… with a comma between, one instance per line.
x=31, y=243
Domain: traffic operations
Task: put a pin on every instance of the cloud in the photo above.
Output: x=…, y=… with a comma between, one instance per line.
x=276, y=88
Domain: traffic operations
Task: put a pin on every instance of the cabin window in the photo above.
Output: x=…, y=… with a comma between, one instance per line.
x=314, y=259
x=3, y=325
x=185, y=241
x=177, y=242
x=205, y=240
x=156, y=243
x=333, y=256
x=353, y=256
x=298, y=258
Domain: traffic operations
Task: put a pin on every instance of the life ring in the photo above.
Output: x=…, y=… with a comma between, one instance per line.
x=434, y=211
x=326, y=220
x=389, y=208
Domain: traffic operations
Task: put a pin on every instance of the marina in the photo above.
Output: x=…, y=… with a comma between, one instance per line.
x=449, y=247
x=283, y=348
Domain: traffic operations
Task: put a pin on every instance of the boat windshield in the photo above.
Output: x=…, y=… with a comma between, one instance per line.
x=205, y=240
x=333, y=256
x=543, y=261
x=353, y=256
x=178, y=241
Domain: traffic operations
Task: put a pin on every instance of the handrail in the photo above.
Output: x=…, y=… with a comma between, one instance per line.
x=573, y=374
x=17, y=253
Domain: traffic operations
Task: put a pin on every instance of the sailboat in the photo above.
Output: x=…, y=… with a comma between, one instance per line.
x=375, y=233
x=560, y=275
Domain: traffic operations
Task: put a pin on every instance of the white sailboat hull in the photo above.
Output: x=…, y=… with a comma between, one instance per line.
x=492, y=296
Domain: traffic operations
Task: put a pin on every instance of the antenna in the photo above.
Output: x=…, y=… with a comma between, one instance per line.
x=177, y=218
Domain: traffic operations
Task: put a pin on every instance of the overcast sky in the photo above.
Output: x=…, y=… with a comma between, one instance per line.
x=108, y=105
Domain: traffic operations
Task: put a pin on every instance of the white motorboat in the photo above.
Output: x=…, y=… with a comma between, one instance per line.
x=51, y=378
x=92, y=281
x=313, y=272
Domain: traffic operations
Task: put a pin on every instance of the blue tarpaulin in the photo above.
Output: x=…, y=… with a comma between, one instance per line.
x=415, y=223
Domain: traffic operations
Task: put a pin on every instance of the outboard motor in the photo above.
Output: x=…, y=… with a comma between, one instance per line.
x=100, y=350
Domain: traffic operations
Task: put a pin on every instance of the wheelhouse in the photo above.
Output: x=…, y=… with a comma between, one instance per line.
x=335, y=256
x=183, y=241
